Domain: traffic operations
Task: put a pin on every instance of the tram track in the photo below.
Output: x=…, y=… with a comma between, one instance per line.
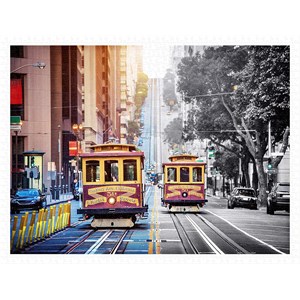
x=187, y=243
x=209, y=239
x=98, y=242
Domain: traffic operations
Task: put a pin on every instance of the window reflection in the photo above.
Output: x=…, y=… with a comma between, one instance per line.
x=130, y=170
x=172, y=176
x=197, y=174
x=92, y=171
x=184, y=174
x=111, y=169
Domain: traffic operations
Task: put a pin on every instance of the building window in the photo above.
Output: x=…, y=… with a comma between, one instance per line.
x=17, y=95
x=17, y=51
x=92, y=171
x=130, y=170
x=111, y=169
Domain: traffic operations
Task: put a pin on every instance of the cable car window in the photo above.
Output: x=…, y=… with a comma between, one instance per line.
x=184, y=174
x=197, y=174
x=92, y=171
x=172, y=176
x=130, y=170
x=111, y=170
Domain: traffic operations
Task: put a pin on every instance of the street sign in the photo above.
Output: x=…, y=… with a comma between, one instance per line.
x=15, y=127
x=274, y=154
x=272, y=171
x=15, y=120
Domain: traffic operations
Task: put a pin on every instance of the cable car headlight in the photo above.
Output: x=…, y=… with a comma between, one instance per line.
x=184, y=194
x=111, y=200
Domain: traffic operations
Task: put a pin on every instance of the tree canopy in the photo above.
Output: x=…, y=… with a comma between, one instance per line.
x=236, y=92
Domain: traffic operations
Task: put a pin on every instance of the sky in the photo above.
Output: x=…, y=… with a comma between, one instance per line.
x=156, y=59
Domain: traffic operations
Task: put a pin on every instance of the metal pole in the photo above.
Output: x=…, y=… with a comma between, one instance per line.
x=59, y=159
x=269, y=138
x=16, y=165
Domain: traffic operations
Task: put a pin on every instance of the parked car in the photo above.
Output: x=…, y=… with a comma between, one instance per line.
x=279, y=198
x=28, y=199
x=242, y=197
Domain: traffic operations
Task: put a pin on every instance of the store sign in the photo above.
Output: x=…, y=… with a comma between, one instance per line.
x=73, y=148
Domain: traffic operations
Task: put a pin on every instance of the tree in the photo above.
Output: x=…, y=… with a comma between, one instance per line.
x=227, y=162
x=169, y=93
x=262, y=76
x=209, y=118
x=173, y=132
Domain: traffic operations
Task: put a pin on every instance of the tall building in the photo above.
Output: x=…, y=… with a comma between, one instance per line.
x=31, y=101
x=91, y=86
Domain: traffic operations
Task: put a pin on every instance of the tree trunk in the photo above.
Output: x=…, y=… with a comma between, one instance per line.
x=245, y=170
x=262, y=179
x=254, y=177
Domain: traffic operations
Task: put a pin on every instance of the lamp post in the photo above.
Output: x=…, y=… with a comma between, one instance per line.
x=77, y=128
x=40, y=65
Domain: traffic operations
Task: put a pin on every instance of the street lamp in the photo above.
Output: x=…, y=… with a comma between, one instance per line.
x=40, y=65
x=16, y=125
x=77, y=128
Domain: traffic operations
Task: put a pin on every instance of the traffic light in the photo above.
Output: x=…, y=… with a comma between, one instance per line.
x=32, y=161
x=211, y=152
x=270, y=165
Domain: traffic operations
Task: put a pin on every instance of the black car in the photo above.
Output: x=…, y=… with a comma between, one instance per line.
x=242, y=197
x=28, y=199
x=279, y=198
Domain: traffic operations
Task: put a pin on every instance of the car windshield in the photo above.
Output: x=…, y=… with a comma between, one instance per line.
x=284, y=188
x=27, y=193
x=246, y=193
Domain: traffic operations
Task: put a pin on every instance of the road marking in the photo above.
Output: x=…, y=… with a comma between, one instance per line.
x=209, y=242
x=262, y=242
x=101, y=240
x=156, y=220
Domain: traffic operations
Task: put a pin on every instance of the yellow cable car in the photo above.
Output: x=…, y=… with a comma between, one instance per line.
x=112, y=185
x=184, y=183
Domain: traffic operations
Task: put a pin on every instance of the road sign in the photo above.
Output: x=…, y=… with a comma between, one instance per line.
x=274, y=154
x=272, y=171
x=15, y=120
x=15, y=127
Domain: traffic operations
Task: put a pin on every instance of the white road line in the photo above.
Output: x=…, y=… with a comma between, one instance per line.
x=101, y=240
x=262, y=242
x=210, y=243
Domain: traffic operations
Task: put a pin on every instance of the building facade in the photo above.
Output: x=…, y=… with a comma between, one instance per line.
x=90, y=86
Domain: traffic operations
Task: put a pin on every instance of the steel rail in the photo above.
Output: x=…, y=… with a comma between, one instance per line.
x=80, y=242
x=188, y=245
x=98, y=243
x=203, y=235
x=223, y=236
x=118, y=244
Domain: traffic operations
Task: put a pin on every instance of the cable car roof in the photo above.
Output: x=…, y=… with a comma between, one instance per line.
x=114, y=149
x=183, y=158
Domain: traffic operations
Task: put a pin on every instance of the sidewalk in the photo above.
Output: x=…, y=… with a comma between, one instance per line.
x=62, y=198
x=218, y=197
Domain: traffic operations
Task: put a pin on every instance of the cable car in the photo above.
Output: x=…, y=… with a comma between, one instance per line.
x=183, y=188
x=113, y=185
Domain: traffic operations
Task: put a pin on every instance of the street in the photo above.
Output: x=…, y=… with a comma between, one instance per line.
x=214, y=230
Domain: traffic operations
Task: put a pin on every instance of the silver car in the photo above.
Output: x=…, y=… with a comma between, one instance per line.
x=279, y=198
